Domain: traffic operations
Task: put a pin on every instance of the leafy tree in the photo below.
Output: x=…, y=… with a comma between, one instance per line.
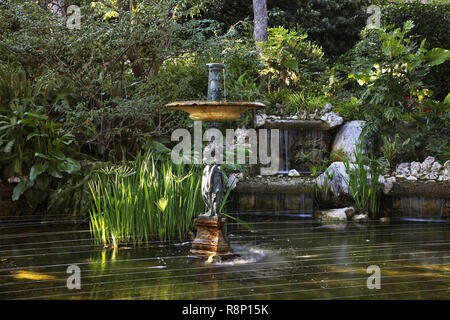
x=291, y=60
x=392, y=77
x=431, y=22
x=111, y=65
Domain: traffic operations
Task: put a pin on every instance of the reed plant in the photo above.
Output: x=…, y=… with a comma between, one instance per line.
x=144, y=200
x=363, y=182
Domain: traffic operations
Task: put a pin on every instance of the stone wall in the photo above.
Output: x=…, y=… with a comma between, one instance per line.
x=418, y=207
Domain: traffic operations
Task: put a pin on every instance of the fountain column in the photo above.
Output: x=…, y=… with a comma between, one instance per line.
x=210, y=239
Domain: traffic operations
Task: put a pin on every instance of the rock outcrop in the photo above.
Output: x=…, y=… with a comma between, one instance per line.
x=344, y=142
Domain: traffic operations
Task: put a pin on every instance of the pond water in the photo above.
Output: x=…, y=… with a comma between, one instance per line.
x=284, y=257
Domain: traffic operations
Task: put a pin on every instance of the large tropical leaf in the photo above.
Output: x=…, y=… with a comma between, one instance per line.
x=37, y=169
x=69, y=165
x=437, y=56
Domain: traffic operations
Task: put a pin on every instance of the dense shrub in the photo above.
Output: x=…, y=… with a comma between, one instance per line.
x=431, y=22
x=391, y=69
x=118, y=70
x=292, y=61
x=335, y=25
x=32, y=146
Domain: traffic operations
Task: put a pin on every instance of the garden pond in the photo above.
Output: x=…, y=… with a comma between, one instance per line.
x=281, y=257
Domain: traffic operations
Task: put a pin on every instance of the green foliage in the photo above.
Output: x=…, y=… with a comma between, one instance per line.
x=392, y=148
x=72, y=196
x=112, y=67
x=145, y=200
x=392, y=78
x=30, y=143
x=350, y=109
x=294, y=102
x=363, y=182
x=333, y=24
x=432, y=131
x=323, y=195
x=291, y=60
x=431, y=22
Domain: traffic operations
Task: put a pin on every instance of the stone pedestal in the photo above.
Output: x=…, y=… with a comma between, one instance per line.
x=210, y=239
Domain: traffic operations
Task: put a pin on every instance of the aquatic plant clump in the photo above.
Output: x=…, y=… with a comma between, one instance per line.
x=145, y=200
x=363, y=183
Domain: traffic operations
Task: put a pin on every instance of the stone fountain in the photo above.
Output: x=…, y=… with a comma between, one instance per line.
x=210, y=239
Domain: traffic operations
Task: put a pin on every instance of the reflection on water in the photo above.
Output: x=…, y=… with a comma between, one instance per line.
x=289, y=258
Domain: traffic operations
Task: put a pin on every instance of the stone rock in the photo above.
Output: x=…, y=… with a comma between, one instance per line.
x=293, y=173
x=447, y=172
x=332, y=119
x=349, y=212
x=436, y=166
x=327, y=108
x=345, y=140
x=303, y=115
x=295, y=117
x=338, y=184
x=336, y=178
x=403, y=169
x=427, y=163
x=385, y=219
x=338, y=215
x=415, y=168
x=260, y=119
x=411, y=178
x=361, y=218
x=447, y=164
x=313, y=115
x=388, y=185
x=432, y=176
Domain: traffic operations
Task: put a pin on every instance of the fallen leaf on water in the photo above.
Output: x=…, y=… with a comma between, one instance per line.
x=30, y=275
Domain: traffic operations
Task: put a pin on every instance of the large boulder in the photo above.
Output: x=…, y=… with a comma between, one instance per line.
x=336, y=178
x=344, y=142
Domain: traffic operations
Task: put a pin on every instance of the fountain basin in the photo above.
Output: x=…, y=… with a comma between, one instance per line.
x=214, y=111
